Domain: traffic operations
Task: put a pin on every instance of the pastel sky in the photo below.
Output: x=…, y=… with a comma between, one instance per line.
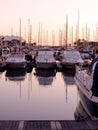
x=52, y=14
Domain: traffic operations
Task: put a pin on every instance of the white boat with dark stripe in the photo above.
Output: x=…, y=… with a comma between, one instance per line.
x=16, y=61
x=45, y=59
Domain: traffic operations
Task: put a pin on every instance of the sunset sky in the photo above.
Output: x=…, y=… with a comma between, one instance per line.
x=51, y=13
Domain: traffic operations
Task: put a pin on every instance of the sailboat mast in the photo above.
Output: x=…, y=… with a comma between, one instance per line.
x=20, y=30
x=77, y=28
x=29, y=31
x=40, y=34
x=47, y=37
x=11, y=31
x=66, y=35
x=53, y=38
x=60, y=37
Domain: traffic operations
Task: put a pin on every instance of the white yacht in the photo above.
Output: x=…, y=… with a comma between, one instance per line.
x=70, y=58
x=45, y=59
x=16, y=61
x=87, y=84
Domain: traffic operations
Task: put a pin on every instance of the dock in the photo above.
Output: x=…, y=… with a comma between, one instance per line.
x=49, y=125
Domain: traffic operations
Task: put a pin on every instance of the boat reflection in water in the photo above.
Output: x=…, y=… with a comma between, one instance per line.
x=80, y=113
x=68, y=77
x=16, y=75
x=44, y=76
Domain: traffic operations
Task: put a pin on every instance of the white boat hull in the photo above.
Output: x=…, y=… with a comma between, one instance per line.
x=87, y=88
x=90, y=107
x=45, y=60
x=85, y=83
x=70, y=59
x=16, y=61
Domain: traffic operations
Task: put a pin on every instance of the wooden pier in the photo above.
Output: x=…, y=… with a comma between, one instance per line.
x=49, y=125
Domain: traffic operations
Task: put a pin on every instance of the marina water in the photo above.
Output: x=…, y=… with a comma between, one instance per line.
x=37, y=95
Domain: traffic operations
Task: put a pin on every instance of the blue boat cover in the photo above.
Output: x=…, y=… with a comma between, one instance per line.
x=95, y=81
x=92, y=63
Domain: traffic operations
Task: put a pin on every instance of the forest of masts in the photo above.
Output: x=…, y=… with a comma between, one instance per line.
x=65, y=36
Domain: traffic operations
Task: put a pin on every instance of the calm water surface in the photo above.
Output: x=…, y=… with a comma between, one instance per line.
x=37, y=95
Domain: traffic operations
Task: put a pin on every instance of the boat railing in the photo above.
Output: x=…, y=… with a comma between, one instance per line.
x=84, y=77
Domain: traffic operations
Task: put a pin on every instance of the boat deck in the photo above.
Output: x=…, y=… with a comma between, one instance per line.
x=49, y=125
